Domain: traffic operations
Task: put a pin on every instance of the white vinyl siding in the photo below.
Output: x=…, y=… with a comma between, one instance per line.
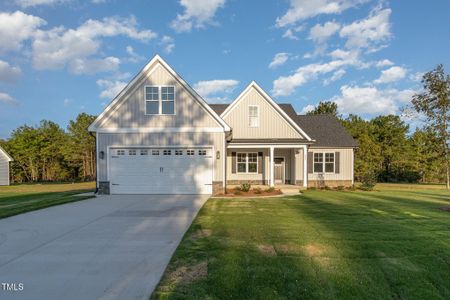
x=131, y=113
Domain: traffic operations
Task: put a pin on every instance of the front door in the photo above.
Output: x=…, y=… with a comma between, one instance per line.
x=279, y=169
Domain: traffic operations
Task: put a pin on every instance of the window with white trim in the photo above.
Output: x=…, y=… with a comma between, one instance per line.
x=247, y=162
x=178, y=152
x=167, y=152
x=144, y=152
x=155, y=152
x=324, y=162
x=190, y=152
x=201, y=152
x=120, y=152
x=159, y=100
x=253, y=116
x=131, y=152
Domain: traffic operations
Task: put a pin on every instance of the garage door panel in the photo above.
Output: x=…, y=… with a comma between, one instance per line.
x=161, y=174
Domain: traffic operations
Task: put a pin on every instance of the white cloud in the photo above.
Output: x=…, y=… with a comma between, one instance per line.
x=196, y=14
x=286, y=85
x=134, y=57
x=168, y=43
x=320, y=33
x=301, y=9
x=290, y=32
x=369, y=32
x=7, y=99
x=384, y=63
x=67, y=101
x=110, y=88
x=31, y=3
x=307, y=109
x=336, y=76
x=9, y=73
x=390, y=75
x=91, y=66
x=215, y=90
x=279, y=59
x=15, y=28
x=416, y=76
x=370, y=100
x=58, y=47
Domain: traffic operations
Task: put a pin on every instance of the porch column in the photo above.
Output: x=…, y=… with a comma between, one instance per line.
x=305, y=166
x=271, y=165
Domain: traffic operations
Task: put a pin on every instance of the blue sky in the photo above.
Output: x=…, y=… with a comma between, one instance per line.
x=62, y=57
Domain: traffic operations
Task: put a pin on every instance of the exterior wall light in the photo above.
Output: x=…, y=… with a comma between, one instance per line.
x=101, y=154
x=217, y=154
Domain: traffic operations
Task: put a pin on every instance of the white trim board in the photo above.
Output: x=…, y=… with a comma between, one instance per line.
x=8, y=157
x=160, y=62
x=254, y=85
x=159, y=130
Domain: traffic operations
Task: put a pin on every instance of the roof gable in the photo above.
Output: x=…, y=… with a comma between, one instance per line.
x=8, y=157
x=157, y=64
x=253, y=87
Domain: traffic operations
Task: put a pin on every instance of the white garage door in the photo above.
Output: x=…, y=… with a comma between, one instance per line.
x=160, y=170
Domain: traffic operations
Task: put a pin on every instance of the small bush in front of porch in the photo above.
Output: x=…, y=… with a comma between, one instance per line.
x=270, y=189
x=245, y=187
x=340, y=187
x=257, y=190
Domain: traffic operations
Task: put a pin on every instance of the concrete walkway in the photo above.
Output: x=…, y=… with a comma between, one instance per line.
x=110, y=247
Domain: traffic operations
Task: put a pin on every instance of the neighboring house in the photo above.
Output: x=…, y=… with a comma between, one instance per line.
x=5, y=158
x=158, y=136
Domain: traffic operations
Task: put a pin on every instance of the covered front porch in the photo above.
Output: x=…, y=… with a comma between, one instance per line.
x=266, y=164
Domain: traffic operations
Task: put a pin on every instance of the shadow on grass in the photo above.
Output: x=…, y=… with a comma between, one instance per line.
x=325, y=245
x=18, y=204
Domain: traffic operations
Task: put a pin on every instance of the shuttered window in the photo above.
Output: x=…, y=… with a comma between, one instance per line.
x=247, y=162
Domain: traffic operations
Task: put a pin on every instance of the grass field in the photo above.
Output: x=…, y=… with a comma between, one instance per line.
x=17, y=199
x=388, y=244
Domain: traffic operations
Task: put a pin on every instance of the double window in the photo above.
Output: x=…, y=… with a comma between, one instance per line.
x=247, y=162
x=159, y=100
x=324, y=162
x=253, y=116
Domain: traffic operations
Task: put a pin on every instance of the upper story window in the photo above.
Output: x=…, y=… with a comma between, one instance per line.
x=253, y=116
x=324, y=162
x=159, y=100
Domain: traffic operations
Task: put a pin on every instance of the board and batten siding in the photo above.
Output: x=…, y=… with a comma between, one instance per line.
x=345, y=165
x=271, y=123
x=215, y=139
x=130, y=112
x=4, y=169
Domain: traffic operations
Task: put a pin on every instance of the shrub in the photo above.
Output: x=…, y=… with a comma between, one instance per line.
x=327, y=188
x=340, y=188
x=368, y=181
x=257, y=190
x=245, y=187
x=270, y=189
x=311, y=188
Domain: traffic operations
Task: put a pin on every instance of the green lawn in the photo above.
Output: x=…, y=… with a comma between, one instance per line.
x=388, y=244
x=17, y=199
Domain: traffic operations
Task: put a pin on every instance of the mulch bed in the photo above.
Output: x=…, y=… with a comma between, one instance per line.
x=251, y=193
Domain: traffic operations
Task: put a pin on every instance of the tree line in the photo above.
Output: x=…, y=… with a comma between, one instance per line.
x=388, y=151
x=47, y=152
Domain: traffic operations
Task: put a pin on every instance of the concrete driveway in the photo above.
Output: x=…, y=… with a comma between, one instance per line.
x=110, y=247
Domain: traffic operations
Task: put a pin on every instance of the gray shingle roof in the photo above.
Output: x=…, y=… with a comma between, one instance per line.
x=325, y=129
